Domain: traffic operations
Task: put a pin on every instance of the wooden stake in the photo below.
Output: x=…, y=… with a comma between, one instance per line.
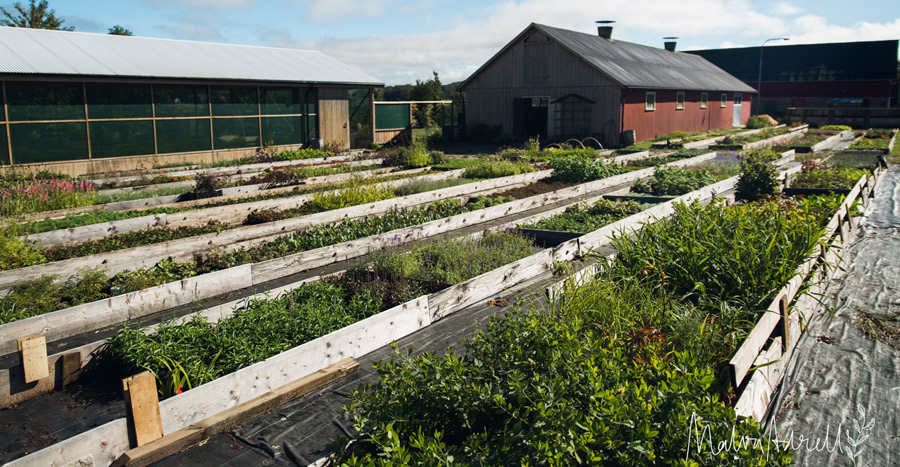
x=33, y=351
x=142, y=405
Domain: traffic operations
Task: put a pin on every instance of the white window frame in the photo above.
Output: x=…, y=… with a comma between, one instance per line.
x=704, y=100
x=724, y=102
x=650, y=101
x=738, y=98
x=679, y=100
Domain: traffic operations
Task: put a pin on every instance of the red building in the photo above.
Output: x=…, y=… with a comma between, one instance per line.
x=559, y=84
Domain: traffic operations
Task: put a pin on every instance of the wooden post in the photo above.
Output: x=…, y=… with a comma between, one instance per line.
x=33, y=351
x=142, y=406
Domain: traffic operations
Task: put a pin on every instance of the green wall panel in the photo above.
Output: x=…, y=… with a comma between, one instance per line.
x=234, y=101
x=282, y=130
x=182, y=135
x=124, y=138
x=181, y=101
x=45, y=101
x=230, y=133
x=391, y=116
x=48, y=142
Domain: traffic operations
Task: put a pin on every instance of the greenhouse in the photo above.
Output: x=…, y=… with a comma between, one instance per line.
x=78, y=97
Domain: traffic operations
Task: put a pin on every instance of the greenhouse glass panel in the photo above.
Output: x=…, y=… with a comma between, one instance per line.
x=4, y=147
x=281, y=101
x=312, y=125
x=182, y=136
x=230, y=133
x=48, y=142
x=233, y=101
x=44, y=101
x=114, y=139
x=282, y=130
x=119, y=101
x=181, y=101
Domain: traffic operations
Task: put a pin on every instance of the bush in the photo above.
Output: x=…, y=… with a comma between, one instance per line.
x=414, y=156
x=758, y=121
x=674, y=182
x=583, y=169
x=759, y=176
x=496, y=169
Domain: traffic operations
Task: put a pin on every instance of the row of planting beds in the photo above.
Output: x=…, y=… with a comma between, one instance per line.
x=427, y=265
x=881, y=140
x=765, y=137
x=621, y=365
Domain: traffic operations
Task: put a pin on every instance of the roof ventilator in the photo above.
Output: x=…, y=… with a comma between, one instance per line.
x=604, y=29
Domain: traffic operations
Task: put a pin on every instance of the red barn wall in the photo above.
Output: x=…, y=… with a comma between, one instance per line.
x=666, y=119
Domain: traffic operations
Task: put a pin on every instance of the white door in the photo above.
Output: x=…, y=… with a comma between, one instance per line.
x=736, y=119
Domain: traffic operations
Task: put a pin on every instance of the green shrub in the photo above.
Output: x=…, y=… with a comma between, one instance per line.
x=758, y=121
x=414, y=156
x=666, y=182
x=583, y=169
x=759, y=176
x=496, y=169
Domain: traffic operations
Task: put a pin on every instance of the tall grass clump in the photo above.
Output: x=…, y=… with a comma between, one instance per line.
x=737, y=254
x=23, y=196
x=497, y=169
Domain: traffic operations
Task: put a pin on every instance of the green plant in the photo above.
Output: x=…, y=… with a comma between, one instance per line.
x=496, y=169
x=584, y=219
x=835, y=128
x=583, y=169
x=353, y=195
x=208, y=182
x=413, y=156
x=22, y=195
x=15, y=252
x=817, y=175
x=758, y=121
x=666, y=181
x=759, y=176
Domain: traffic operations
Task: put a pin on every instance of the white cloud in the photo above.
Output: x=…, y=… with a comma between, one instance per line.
x=467, y=42
x=213, y=4
x=786, y=9
x=193, y=32
x=321, y=11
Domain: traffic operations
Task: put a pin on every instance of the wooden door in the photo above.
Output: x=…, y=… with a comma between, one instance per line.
x=334, y=116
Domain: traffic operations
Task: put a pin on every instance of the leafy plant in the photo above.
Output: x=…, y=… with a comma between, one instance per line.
x=835, y=128
x=583, y=169
x=20, y=195
x=818, y=175
x=758, y=121
x=15, y=252
x=672, y=181
x=759, y=176
x=583, y=219
x=496, y=169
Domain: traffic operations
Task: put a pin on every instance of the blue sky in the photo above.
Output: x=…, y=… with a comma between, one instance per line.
x=399, y=41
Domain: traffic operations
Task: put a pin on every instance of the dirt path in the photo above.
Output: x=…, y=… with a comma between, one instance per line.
x=843, y=384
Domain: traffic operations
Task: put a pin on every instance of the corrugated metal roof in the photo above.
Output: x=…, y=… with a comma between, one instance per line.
x=639, y=66
x=47, y=52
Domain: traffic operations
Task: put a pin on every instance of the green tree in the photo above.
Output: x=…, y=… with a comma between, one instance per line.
x=36, y=16
x=430, y=90
x=120, y=31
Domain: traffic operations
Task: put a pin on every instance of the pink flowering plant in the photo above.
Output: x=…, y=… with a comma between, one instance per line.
x=22, y=196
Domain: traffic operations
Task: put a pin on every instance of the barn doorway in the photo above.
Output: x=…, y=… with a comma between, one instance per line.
x=530, y=117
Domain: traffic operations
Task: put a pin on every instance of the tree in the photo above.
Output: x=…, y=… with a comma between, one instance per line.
x=120, y=31
x=37, y=16
x=429, y=90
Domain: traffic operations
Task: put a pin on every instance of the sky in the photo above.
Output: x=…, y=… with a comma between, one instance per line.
x=400, y=41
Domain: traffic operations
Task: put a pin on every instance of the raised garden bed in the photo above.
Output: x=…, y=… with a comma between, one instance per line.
x=875, y=140
x=763, y=138
x=182, y=410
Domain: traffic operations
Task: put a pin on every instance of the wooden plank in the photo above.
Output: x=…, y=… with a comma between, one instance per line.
x=754, y=400
x=142, y=405
x=182, y=439
x=90, y=316
x=33, y=352
x=355, y=340
x=95, y=231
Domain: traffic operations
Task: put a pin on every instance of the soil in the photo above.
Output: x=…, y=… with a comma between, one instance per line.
x=536, y=188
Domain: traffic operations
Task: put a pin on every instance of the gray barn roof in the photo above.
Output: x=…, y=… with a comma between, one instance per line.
x=638, y=66
x=46, y=52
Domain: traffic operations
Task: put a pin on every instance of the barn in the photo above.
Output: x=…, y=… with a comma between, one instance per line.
x=96, y=102
x=559, y=84
x=841, y=74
